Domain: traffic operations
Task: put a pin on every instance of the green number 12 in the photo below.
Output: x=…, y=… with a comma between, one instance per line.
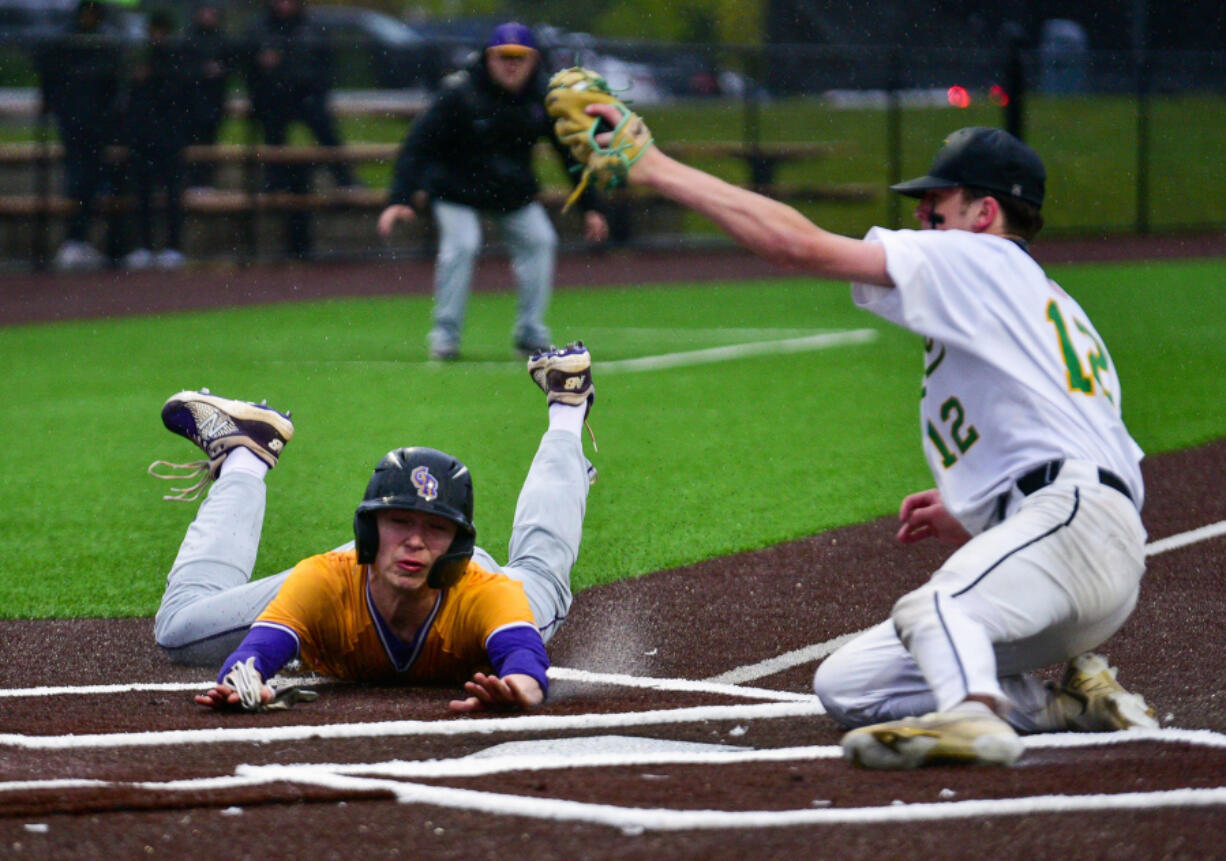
x=1078, y=380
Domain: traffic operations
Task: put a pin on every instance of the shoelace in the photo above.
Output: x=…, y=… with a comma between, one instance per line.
x=196, y=469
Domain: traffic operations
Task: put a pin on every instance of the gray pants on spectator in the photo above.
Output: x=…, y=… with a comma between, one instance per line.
x=211, y=600
x=532, y=243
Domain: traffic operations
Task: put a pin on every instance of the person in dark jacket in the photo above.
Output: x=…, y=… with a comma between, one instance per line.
x=80, y=88
x=470, y=154
x=155, y=132
x=209, y=60
x=289, y=74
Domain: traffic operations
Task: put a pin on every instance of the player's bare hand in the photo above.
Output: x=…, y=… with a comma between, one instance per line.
x=225, y=697
x=924, y=515
x=393, y=214
x=491, y=693
x=595, y=226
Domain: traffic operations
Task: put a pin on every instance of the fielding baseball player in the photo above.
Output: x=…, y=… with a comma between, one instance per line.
x=412, y=600
x=1038, y=481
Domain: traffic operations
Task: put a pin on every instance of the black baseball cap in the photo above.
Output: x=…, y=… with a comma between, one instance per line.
x=985, y=158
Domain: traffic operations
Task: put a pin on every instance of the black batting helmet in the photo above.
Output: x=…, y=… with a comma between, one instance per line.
x=426, y=480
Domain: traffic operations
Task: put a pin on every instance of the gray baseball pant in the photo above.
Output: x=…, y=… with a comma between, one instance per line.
x=532, y=242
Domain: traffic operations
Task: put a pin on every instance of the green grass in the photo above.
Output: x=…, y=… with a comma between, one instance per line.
x=694, y=462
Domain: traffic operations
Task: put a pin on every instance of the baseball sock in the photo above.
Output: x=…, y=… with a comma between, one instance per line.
x=566, y=417
x=241, y=460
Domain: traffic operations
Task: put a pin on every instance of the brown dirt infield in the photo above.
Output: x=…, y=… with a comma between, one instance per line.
x=40, y=297
x=1155, y=797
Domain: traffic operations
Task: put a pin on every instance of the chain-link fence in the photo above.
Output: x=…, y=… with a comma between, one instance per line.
x=1132, y=140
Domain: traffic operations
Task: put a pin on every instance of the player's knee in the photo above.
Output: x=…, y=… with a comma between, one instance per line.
x=845, y=707
x=459, y=248
x=171, y=636
x=543, y=243
x=832, y=684
x=826, y=686
x=183, y=645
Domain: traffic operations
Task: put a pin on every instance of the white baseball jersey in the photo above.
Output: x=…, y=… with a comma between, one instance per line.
x=1014, y=373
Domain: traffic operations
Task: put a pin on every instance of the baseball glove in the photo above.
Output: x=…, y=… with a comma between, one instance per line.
x=572, y=90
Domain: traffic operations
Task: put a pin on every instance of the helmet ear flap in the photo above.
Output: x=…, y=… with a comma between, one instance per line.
x=450, y=567
x=366, y=536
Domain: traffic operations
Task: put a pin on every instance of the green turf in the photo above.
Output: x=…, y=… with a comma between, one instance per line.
x=694, y=462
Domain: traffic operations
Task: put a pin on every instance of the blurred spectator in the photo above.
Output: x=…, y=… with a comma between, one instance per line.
x=80, y=86
x=208, y=60
x=289, y=75
x=470, y=155
x=154, y=130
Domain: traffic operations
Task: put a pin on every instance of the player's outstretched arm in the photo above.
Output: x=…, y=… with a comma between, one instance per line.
x=767, y=227
x=491, y=693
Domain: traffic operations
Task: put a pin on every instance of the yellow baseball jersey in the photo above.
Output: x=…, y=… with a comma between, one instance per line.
x=325, y=604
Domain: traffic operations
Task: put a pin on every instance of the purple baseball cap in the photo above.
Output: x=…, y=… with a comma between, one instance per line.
x=512, y=39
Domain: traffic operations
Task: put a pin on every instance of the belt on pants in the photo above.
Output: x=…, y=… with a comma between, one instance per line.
x=1046, y=473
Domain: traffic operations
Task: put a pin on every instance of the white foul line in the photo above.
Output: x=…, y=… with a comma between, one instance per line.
x=786, y=661
x=383, y=729
x=1183, y=539
x=635, y=820
x=485, y=766
x=707, y=687
x=556, y=673
x=817, y=651
x=739, y=351
x=467, y=766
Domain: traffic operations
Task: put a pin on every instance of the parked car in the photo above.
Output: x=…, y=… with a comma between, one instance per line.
x=27, y=21
x=375, y=49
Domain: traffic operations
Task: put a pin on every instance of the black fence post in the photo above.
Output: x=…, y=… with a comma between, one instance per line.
x=893, y=133
x=1015, y=89
x=1143, y=117
x=40, y=246
x=251, y=185
x=752, y=128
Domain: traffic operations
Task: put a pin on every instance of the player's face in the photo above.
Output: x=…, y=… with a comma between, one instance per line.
x=409, y=543
x=510, y=71
x=944, y=209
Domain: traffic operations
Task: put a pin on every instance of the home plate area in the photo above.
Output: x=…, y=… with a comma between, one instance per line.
x=680, y=723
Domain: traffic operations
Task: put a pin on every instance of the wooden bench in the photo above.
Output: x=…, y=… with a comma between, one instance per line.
x=242, y=198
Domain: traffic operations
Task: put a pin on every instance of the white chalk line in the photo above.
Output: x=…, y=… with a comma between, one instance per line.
x=633, y=820
x=354, y=777
x=779, y=663
x=556, y=673
x=680, y=685
x=1183, y=539
x=729, y=353
x=386, y=729
x=817, y=651
x=681, y=359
